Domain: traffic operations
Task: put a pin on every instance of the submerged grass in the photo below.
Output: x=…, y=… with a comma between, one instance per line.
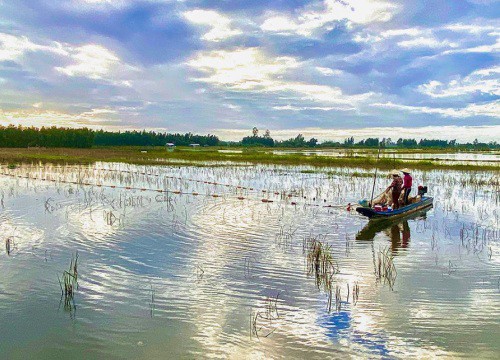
x=263, y=322
x=186, y=156
x=321, y=264
x=385, y=270
x=69, y=283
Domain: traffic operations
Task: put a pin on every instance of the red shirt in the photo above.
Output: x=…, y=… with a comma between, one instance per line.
x=407, y=181
x=396, y=184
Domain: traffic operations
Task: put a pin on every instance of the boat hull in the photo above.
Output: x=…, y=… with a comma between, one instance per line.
x=403, y=211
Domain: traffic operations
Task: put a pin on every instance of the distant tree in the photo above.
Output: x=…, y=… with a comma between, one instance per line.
x=330, y=144
x=312, y=142
x=386, y=142
x=298, y=141
x=267, y=134
x=433, y=143
x=349, y=141
x=12, y=136
x=406, y=143
x=370, y=142
x=255, y=131
x=257, y=141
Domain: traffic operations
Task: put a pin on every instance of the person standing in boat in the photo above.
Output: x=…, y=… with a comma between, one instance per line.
x=407, y=183
x=396, y=186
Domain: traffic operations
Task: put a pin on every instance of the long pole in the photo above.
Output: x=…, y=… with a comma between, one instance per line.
x=375, y=178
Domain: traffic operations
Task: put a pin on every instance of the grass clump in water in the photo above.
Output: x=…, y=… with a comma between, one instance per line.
x=69, y=283
x=385, y=269
x=320, y=262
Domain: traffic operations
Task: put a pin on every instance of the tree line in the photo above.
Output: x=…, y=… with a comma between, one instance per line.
x=300, y=142
x=22, y=137
x=151, y=138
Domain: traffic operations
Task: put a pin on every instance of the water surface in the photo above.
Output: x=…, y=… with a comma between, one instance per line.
x=185, y=272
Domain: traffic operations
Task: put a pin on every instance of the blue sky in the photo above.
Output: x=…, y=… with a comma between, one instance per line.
x=325, y=68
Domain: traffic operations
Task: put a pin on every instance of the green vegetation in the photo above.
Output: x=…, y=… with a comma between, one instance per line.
x=69, y=284
x=53, y=137
x=19, y=137
x=209, y=156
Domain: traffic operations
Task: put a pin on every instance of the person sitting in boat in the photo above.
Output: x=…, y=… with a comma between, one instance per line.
x=396, y=186
x=407, y=182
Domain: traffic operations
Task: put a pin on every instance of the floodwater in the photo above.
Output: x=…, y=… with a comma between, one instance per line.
x=209, y=270
x=491, y=158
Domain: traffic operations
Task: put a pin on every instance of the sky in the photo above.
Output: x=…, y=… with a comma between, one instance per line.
x=324, y=68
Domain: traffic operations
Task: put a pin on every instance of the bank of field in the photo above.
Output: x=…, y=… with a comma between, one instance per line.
x=212, y=155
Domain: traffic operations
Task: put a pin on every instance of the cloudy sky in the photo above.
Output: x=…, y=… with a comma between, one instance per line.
x=327, y=68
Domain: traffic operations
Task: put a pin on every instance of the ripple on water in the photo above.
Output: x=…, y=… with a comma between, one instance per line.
x=187, y=273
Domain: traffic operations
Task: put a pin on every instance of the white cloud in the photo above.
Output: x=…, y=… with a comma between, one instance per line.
x=304, y=108
x=252, y=70
x=314, y=18
x=232, y=107
x=319, y=93
x=328, y=71
x=220, y=25
x=241, y=69
x=418, y=37
x=283, y=24
x=470, y=28
x=14, y=47
x=478, y=33
x=403, y=32
x=96, y=113
x=97, y=63
x=371, y=38
x=490, y=48
x=35, y=117
x=426, y=42
x=484, y=81
x=92, y=61
x=489, y=109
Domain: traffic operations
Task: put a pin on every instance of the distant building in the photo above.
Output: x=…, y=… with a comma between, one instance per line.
x=194, y=145
x=170, y=145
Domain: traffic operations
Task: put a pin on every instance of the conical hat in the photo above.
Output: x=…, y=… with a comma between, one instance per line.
x=394, y=172
x=405, y=170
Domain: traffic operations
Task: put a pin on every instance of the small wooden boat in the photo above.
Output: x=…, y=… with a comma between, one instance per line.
x=425, y=201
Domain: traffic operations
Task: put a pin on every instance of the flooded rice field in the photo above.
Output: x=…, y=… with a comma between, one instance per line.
x=489, y=158
x=122, y=261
